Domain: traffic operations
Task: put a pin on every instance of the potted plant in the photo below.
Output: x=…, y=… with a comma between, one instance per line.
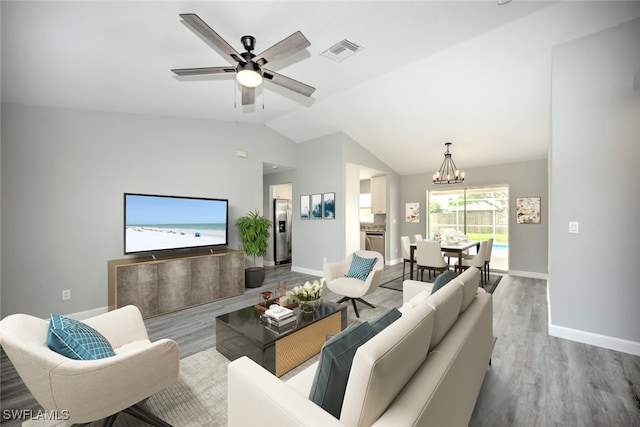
x=254, y=234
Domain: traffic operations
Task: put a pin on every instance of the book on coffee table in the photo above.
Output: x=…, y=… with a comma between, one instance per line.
x=279, y=313
x=278, y=322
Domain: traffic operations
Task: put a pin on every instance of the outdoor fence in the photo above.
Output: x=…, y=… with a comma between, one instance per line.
x=477, y=222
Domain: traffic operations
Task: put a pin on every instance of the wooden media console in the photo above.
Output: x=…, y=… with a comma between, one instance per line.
x=163, y=285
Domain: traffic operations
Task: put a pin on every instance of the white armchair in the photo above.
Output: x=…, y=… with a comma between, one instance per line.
x=90, y=390
x=353, y=289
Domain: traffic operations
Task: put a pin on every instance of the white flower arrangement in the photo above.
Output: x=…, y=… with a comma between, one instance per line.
x=308, y=291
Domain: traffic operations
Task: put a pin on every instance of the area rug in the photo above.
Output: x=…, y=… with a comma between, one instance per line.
x=396, y=284
x=199, y=397
x=494, y=280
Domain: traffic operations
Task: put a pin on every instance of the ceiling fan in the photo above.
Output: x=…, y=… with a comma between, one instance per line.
x=249, y=69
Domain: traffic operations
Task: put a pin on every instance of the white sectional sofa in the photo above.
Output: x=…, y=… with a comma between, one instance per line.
x=425, y=369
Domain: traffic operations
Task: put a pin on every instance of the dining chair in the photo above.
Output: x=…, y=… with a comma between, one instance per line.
x=417, y=238
x=487, y=259
x=448, y=255
x=477, y=260
x=405, y=245
x=429, y=257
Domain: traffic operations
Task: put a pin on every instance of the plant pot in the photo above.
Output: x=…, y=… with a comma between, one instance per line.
x=254, y=277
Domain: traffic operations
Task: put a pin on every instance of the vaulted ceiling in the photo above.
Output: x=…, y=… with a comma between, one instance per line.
x=470, y=72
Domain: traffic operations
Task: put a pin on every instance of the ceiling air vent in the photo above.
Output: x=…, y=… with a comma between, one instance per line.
x=342, y=50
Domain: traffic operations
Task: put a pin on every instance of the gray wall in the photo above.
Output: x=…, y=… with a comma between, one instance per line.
x=594, y=285
x=322, y=165
x=319, y=171
x=64, y=173
x=528, y=243
x=63, y=176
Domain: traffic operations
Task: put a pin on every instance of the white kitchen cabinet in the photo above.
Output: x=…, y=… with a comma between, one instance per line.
x=379, y=194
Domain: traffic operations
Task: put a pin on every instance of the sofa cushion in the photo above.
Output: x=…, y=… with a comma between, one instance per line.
x=334, y=364
x=417, y=300
x=411, y=288
x=443, y=279
x=385, y=320
x=360, y=267
x=446, y=302
x=383, y=365
x=469, y=279
x=76, y=340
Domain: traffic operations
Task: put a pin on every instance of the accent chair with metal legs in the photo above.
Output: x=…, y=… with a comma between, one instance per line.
x=91, y=390
x=353, y=289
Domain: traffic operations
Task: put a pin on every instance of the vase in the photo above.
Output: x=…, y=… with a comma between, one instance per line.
x=309, y=306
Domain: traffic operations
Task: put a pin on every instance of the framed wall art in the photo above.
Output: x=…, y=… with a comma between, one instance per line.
x=412, y=212
x=329, y=205
x=316, y=206
x=305, y=212
x=528, y=210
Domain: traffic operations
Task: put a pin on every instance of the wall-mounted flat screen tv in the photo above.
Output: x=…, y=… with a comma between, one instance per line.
x=158, y=223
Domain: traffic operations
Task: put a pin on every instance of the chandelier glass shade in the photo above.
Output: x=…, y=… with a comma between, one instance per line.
x=449, y=172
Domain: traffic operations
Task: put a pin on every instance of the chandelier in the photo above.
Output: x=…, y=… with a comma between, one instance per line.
x=448, y=173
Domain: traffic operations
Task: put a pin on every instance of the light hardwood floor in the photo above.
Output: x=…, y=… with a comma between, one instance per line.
x=534, y=379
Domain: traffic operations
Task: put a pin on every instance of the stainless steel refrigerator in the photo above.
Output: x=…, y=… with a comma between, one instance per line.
x=282, y=230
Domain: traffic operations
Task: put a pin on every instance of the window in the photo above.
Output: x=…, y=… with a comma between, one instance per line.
x=365, y=208
x=481, y=213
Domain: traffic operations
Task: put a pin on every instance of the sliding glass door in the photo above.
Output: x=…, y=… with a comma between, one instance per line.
x=481, y=213
x=446, y=211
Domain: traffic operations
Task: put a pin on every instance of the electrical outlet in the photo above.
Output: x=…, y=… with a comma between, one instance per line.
x=66, y=294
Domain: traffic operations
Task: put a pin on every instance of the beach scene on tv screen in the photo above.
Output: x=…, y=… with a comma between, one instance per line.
x=159, y=223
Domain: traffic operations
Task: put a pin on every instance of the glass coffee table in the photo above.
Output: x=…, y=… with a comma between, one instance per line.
x=241, y=333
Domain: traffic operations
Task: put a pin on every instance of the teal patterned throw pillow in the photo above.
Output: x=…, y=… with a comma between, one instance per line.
x=336, y=357
x=76, y=340
x=442, y=280
x=360, y=267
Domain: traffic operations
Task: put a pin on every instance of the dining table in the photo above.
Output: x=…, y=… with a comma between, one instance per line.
x=447, y=246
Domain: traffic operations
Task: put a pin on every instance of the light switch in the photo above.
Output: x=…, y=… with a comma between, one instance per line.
x=573, y=227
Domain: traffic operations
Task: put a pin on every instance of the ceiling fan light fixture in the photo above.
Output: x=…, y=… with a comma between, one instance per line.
x=248, y=74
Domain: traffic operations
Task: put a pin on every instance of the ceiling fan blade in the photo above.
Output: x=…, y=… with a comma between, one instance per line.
x=203, y=70
x=285, y=47
x=248, y=95
x=288, y=82
x=205, y=31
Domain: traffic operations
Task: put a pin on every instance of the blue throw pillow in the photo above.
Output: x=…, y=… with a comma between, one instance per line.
x=76, y=340
x=443, y=279
x=360, y=267
x=334, y=365
x=385, y=320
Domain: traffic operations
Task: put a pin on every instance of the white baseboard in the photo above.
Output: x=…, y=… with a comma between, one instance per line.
x=598, y=340
x=394, y=261
x=307, y=271
x=530, y=274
